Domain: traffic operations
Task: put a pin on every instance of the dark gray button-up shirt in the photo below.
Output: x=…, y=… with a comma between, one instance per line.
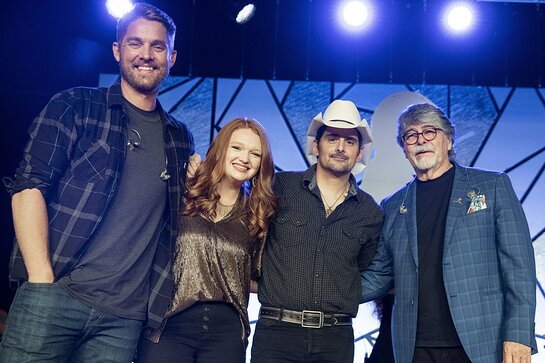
x=312, y=262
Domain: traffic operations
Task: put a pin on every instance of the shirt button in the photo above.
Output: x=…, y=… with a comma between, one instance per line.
x=316, y=275
x=205, y=318
x=206, y=308
x=204, y=327
x=412, y=302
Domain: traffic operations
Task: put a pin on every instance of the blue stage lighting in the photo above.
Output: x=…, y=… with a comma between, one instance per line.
x=355, y=15
x=459, y=17
x=118, y=8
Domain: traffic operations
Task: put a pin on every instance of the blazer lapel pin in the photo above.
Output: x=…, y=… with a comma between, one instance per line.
x=458, y=200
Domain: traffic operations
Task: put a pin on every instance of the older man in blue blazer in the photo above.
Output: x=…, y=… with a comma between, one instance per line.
x=456, y=247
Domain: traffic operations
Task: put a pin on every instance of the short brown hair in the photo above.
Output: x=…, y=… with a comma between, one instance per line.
x=148, y=12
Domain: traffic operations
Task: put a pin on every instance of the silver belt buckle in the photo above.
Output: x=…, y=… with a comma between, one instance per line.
x=312, y=313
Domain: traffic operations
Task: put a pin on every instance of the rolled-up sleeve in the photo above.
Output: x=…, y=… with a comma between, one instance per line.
x=46, y=154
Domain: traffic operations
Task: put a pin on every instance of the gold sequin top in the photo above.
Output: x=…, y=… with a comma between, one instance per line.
x=214, y=261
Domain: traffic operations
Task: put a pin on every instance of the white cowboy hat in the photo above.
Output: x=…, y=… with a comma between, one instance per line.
x=342, y=115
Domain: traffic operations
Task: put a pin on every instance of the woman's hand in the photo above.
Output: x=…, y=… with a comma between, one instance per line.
x=194, y=163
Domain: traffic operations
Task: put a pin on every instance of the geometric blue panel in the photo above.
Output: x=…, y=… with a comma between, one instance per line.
x=107, y=79
x=225, y=91
x=500, y=94
x=368, y=95
x=172, y=96
x=304, y=102
x=340, y=88
x=438, y=94
x=365, y=325
x=170, y=81
x=539, y=251
x=519, y=132
x=534, y=206
x=542, y=92
x=473, y=113
x=523, y=175
x=195, y=111
x=280, y=88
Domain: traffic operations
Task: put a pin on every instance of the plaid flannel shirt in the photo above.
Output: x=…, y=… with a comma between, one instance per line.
x=75, y=157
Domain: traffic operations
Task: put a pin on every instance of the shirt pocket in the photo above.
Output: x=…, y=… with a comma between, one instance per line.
x=290, y=227
x=353, y=237
x=353, y=231
x=91, y=160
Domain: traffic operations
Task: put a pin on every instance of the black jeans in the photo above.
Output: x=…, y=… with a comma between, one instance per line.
x=440, y=355
x=281, y=342
x=205, y=332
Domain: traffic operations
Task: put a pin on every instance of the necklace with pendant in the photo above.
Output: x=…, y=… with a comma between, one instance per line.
x=330, y=208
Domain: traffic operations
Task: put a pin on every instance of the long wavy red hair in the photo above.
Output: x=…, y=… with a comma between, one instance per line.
x=259, y=203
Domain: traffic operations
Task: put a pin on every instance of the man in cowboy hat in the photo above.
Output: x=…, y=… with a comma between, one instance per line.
x=324, y=234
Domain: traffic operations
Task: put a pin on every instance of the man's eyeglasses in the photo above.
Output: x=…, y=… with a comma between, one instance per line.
x=411, y=137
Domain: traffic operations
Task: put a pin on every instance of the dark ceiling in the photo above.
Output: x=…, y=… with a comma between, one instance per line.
x=300, y=39
x=287, y=39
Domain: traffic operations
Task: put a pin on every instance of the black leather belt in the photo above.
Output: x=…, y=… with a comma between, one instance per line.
x=305, y=318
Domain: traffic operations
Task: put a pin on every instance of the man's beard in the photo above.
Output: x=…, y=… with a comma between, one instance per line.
x=143, y=85
x=428, y=161
x=336, y=167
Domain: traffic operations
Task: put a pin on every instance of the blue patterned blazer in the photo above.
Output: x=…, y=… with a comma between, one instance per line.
x=488, y=266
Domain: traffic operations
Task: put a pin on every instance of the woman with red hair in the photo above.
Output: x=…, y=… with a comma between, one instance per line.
x=228, y=205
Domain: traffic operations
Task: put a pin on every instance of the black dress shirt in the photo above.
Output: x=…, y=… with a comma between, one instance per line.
x=312, y=262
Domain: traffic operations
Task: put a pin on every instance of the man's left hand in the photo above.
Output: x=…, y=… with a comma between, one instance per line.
x=516, y=353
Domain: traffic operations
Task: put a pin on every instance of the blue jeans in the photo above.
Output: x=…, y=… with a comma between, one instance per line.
x=280, y=342
x=46, y=324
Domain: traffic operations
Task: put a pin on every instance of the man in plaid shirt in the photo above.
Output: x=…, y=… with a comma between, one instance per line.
x=95, y=207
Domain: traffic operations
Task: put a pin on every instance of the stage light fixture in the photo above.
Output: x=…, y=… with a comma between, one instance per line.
x=459, y=17
x=118, y=8
x=245, y=14
x=355, y=15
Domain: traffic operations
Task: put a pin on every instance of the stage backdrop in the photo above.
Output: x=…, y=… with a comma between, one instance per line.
x=497, y=128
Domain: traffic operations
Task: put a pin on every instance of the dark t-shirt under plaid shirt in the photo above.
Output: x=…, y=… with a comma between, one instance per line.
x=312, y=262
x=75, y=158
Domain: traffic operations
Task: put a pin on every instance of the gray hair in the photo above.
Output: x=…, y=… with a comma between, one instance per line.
x=148, y=12
x=420, y=113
